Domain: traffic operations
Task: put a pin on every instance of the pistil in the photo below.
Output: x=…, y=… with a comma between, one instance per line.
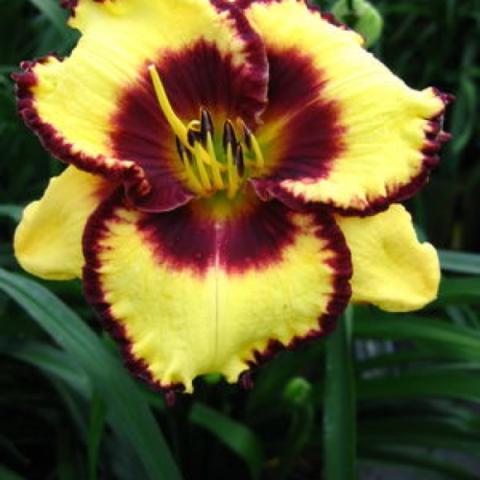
x=206, y=172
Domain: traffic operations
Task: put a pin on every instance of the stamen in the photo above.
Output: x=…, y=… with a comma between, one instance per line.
x=252, y=144
x=258, y=153
x=247, y=133
x=196, y=148
x=240, y=161
x=216, y=166
x=204, y=178
x=191, y=138
x=186, y=157
x=173, y=120
x=232, y=174
x=206, y=123
x=202, y=171
x=229, y=137
x=180, y=148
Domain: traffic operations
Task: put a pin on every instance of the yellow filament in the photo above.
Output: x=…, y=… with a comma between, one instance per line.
x=175, y=123
x=202, y=171
x=258, y=152
x=217, y=177
x=191, y=177
x=231, y=173
x=200, y=181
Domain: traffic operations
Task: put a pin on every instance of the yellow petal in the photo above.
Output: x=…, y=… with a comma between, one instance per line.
x=48, y=240
x=73, y=104
x=363, y=138
x=188, y=294
x=391, y=268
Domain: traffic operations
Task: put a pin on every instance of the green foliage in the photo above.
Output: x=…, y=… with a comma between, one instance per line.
x=69, y=410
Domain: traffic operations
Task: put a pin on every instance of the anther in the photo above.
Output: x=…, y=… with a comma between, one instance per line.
x=196, y=137
x=189, y=155
x=180, y=148
x=182, y=151
x=206, y=123
x=229, y=137
x=247, y=136
x=240, y=160
x=192, y=137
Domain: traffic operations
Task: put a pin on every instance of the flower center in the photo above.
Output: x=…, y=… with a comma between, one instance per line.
x=209, y=167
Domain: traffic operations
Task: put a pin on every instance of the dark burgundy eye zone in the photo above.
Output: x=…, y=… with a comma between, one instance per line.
x=310, y=138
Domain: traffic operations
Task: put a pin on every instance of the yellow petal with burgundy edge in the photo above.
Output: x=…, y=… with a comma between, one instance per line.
x=188, y=293
x=343, y=130
x=391, y=268
x=97, y=108
x=48, y=240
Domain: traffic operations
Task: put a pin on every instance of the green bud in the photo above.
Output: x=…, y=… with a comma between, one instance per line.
x=364, y=18
x=212, y=378
x=297, y=391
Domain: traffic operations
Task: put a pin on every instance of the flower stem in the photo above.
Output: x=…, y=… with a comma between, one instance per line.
x=340, y=404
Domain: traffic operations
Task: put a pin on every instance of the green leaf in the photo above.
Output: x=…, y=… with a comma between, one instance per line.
x=460, y=262
x=128, y=408
x=52, y=10
x=454, y=291
x=13, y=212
x=7, y=69
x=98, y=411
x=239, y=438
x=340, y=403
x=418, y=385
x=464, y=113
x=421, y=463
x=463, y=342
x=51, y=360
x=7, y=474
x=433, y=432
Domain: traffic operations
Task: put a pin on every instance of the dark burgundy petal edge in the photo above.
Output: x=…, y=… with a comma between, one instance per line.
x=94, y=294
x=342, y=264
x=434, y=139
x=327, y=230
x=132, y=175
x=73, y=4
x=255, y=55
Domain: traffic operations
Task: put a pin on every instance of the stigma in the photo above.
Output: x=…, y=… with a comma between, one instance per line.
x=211, y=164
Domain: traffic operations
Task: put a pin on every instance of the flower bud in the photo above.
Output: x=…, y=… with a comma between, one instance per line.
x=297, y=392
x=363, y=18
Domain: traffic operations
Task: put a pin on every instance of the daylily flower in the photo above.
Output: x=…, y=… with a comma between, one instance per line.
x=234, y=174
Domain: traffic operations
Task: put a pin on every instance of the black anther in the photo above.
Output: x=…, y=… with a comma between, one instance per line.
x=180, y=148
x=206, y=123
x=229, y=137
x=239, y=160
x=191, y=137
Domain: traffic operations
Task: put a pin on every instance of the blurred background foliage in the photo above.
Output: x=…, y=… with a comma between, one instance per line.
x=406, y=402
